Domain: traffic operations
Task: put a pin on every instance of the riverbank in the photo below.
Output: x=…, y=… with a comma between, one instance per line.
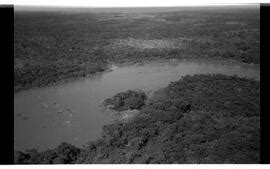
x=47, y=49
x=66, y=77
x=197, y=119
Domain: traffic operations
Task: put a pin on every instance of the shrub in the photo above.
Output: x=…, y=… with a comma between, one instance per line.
x=127, y=100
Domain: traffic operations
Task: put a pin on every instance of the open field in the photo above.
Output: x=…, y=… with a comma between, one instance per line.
x=51, y=46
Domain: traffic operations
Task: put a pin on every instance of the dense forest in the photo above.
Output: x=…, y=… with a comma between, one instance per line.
x=197, y=119
x=53, y=46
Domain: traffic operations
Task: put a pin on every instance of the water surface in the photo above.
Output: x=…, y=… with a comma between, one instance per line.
x=71, y=112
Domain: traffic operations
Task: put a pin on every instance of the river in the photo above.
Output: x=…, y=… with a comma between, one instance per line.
x=72, y=112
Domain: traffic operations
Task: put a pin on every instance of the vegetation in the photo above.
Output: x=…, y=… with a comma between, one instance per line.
x=54, y=46
x=63, y=154
x=127, y=100
x=197, y=119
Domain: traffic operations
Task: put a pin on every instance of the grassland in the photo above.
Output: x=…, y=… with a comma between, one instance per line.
x=52, y=46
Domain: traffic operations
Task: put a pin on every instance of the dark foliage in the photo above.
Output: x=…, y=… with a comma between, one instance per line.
x=198, y=119
x=63, y=154
x=127, y=100
x=52, y=46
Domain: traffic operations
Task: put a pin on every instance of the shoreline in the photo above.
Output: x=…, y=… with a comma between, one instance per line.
x=130, y=63
x=173, y=114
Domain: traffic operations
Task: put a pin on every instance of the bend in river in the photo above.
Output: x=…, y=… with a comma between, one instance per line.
x=71, y=112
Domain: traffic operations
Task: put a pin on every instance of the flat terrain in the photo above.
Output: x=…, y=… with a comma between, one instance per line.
x=52, y=46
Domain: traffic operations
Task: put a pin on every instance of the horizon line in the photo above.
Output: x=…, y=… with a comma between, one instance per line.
x=86, y=6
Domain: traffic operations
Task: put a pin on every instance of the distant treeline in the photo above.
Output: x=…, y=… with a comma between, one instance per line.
x=52, y=46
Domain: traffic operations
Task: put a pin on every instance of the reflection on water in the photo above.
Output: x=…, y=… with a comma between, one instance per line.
x=71, y=112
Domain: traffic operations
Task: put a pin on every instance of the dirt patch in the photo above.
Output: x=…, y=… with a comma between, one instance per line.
x=149, y=44
x=234, y=23
x=125, y=16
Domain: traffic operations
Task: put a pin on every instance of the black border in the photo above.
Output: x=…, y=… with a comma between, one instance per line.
x=264, y=86
x=7, y=94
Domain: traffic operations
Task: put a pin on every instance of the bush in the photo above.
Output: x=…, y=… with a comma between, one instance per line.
x=127, y=100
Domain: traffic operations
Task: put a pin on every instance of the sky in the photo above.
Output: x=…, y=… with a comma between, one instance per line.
x=127, y=3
